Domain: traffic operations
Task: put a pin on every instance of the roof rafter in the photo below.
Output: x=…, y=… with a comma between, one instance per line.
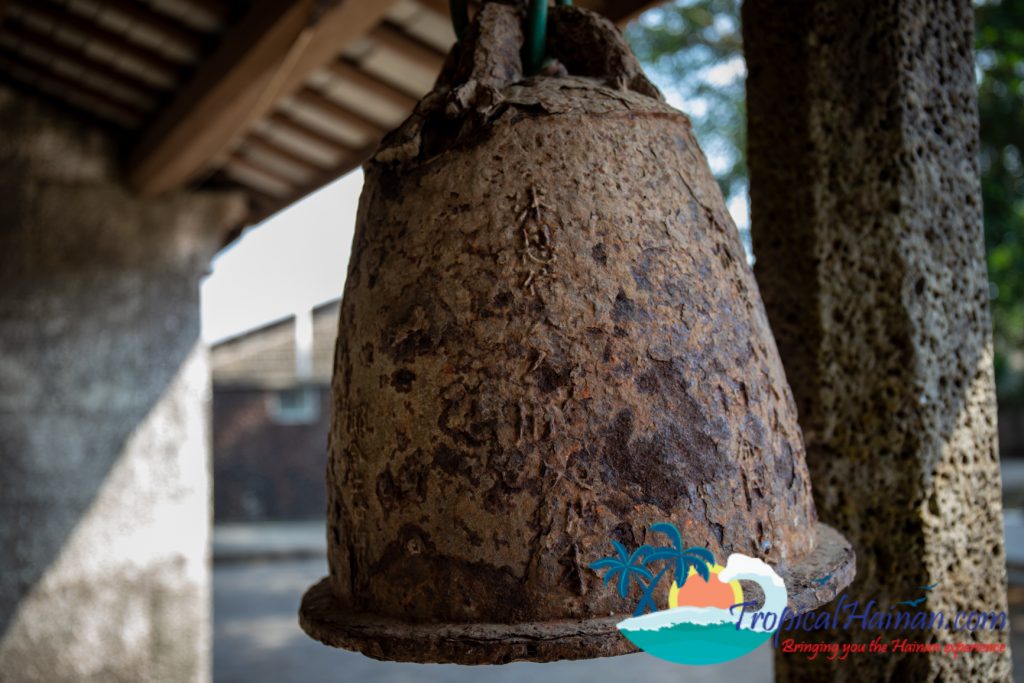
x=348, y=72
x=26, y=34
x=44, y=9
x=119, y=112
x=308, y=97
x=268, y=55
x=334, y=146
x=391, y=37
x=264, y=144
x=408, y=47
x=167, y=28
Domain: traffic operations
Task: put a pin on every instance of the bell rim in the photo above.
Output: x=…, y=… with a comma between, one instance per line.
x=327, y=619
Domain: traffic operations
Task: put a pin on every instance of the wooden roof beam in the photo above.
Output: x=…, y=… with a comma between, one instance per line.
x=407, y=46
x=121, y=113
x=392, y=38
x=168, y=29
x=436, y=6
x=285, y=122
x=348, y=164
x=308, y=97
x=255, y=177
x=269, y=54
x=264, y=144
x=240, y=160
x=218, y=9
x=29, y=35
x=43, y=9
x=346, y=71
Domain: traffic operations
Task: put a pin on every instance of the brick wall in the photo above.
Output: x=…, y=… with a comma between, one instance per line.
x=264, y=469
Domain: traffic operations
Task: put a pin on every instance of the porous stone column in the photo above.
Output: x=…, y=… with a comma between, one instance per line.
x=104, y=485
x=866, y=216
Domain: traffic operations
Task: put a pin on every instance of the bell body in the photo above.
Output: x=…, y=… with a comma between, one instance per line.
x=550, y=337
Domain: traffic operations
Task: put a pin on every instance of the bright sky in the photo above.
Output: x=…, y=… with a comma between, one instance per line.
x=298, y=258
x=291, y=262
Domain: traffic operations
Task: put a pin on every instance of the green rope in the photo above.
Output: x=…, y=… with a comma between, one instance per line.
x=535, y=31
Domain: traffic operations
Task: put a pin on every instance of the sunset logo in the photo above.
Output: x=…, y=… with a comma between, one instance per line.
x=702, y=621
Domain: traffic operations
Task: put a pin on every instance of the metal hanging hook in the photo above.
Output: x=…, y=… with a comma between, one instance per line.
x=534, y=34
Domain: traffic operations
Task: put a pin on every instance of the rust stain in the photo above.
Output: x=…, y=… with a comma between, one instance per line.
x=568, y=355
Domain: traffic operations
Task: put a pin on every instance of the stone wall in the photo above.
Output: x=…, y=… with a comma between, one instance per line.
x=866, y=224
x=104, y=388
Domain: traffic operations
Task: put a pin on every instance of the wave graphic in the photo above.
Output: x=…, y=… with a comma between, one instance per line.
x=655, y=621
x=709, y=635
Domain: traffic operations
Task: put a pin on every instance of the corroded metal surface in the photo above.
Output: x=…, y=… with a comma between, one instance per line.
x=550, y=337
x=333, y=622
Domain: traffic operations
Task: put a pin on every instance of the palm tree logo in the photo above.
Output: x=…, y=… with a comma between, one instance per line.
x=626, y=567
x=700, y=624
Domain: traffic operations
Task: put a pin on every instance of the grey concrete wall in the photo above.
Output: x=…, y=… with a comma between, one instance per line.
x=866, y=224
x=104, y=484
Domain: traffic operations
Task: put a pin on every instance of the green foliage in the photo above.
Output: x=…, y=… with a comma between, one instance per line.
x=695, y=45
x=1000, y=68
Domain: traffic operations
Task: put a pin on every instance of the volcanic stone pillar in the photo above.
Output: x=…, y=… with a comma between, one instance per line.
x=866, y=216
x=104, y=485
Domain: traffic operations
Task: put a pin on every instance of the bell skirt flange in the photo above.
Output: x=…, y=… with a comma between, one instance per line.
x=815, y=581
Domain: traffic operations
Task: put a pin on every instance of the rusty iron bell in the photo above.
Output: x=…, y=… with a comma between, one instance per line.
x=550, y=337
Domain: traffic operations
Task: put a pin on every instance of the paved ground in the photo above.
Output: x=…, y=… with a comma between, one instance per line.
x=257, y=640
x=269, y=540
